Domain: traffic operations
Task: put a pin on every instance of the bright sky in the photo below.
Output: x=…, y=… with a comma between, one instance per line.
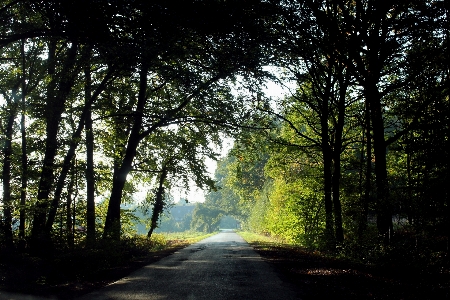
x=196, y=195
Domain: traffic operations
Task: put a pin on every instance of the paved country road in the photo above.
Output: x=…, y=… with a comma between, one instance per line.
x=223, y=266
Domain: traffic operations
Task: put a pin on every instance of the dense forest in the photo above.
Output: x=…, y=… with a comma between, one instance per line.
x=102, y=99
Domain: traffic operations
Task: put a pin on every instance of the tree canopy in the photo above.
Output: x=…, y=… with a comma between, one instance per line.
x=101, y=99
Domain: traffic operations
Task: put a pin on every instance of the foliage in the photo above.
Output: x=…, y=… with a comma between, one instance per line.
x=180, y=238
x=251, y=237
x=354, y=159
x=296, y=213
x=68, y=273
x=205, y=218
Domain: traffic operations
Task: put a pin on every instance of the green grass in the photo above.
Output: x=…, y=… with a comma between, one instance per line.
x=186, y=237
x=259, y=239
x=251, y=237
x=68, y=273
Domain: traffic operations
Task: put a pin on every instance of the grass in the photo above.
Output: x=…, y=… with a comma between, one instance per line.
x=317, y=275
x=69, y=273
x=188, y=237
x=251, y=237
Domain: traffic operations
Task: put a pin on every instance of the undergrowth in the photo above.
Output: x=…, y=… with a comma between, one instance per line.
x=70, y=271
x=402, y=255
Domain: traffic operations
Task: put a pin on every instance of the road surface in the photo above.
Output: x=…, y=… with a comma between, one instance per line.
x=223, y=266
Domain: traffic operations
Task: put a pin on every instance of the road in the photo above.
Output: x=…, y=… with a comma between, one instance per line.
x=223, y=266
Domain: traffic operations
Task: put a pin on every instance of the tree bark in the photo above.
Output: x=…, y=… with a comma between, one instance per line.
x=54, y=109
x=159, y=203
x=71, y=153
x=327, y=156
x=366, y=191
x=24, y=179
x=69, y=218
x=112, y=223
x=383, y=206
x=6, y=170
x=337, y=149
x=90, y=183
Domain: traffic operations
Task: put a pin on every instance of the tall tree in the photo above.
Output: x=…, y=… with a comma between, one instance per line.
x=371, y=38
x=24, y=183
x=15, y=85
x=90, y=176
x=12, y=102
x=73, y=143
x=189, y=70
x=57, y=92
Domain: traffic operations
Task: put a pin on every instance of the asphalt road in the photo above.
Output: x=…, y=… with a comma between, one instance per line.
x=223, y=266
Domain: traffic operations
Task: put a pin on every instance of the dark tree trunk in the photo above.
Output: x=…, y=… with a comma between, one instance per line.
x=329, y=228
x=370, y=65
x=159, y=203
x=383, y=206
x=409, y=206
x=337, y=149
x=54, y=110
x=71, y=154
x=112, y=223
x=337, y=207
x=90, y=184
x=47, y=168
x=69, y=218
x=24, y=179
x=365, y=193
x=6, y=170
x=327, y=156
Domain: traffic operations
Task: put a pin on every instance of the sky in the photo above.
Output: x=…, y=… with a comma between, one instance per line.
x=273, y=90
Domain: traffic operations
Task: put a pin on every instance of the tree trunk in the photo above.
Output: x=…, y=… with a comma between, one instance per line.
x=327, y=175
x=337, y=149
x=409, y=207
x=54, y=110
x=365, y=194
x=159, y=203
x=90, y=184
x=112, y=223
x=69, y=218
x=6, y=170
x=24, y=179
x=384, y=214
x=71, y=153
x=329, y=228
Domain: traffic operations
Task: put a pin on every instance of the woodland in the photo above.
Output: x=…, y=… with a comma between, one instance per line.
x=102, y=99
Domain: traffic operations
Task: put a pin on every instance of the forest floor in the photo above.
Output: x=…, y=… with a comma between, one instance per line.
x=313, y=274
x=317, y=276
x=49, y=278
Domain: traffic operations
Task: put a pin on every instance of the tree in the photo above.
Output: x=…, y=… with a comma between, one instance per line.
x=370, y=39
x=383, y=49
x=192, y=74
x=181, y=154
x=56, y=98
x=12, y=103
x=90, y=176
x=15, y=87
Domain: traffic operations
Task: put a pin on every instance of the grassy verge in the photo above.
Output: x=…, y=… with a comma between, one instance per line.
x=69, y=273
x=317, y=275
x=187, y=237
x=253, y=238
